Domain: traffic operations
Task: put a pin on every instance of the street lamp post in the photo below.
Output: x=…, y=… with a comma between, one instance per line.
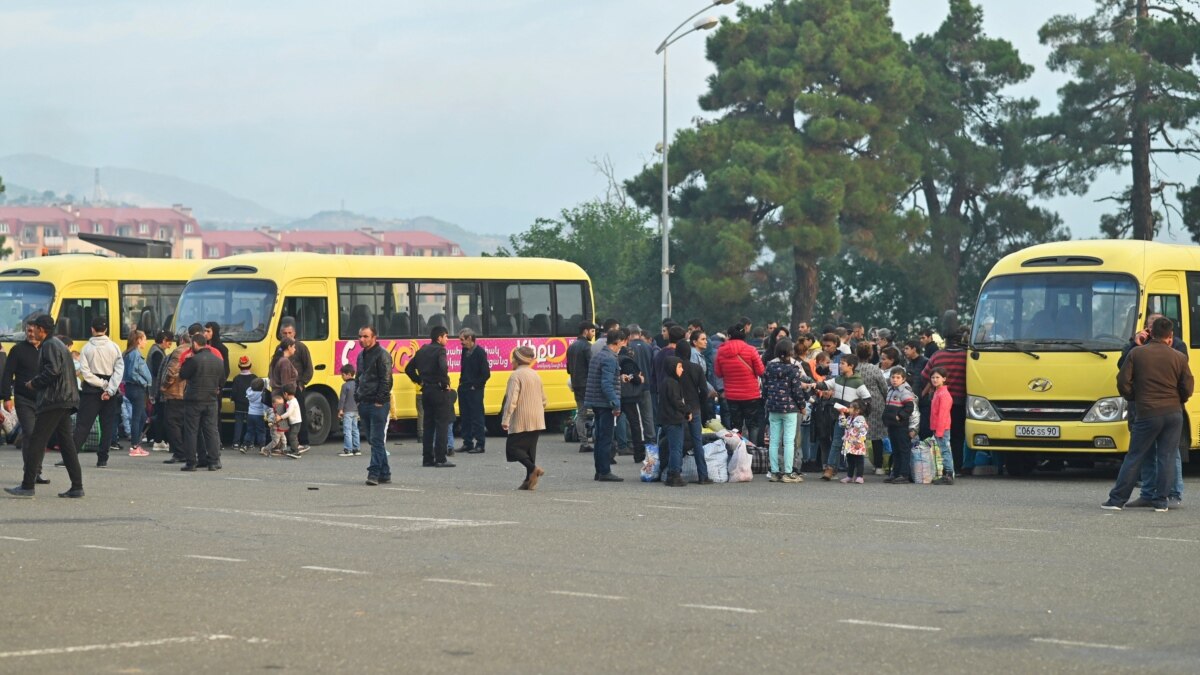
x=665, y=219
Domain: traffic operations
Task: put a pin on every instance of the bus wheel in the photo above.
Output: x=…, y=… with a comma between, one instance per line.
x=1019, y=464
x=320, y=417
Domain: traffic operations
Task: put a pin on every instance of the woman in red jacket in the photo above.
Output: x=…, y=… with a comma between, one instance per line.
x=740, y=366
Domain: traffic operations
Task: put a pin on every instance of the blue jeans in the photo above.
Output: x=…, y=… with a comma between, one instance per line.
x=673, y=433
x=374, y=421
x=783, y=441
x=470, y=408
x=835, y=458
x=240, y=425
x=806, y=443
x=135, y=394
x=602, y=451
x=947, y=454
x=696, y=429
x=256, y=431
x=1150, y=479
x=350, y=438
x=1154, y=439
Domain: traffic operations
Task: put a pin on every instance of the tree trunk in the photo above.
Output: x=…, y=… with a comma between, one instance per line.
x=1140, y=208
x=804, y=292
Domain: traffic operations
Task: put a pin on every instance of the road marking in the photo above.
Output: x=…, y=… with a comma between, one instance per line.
x=900, y=626
x=673, y=508
x=722, y=608
x=898, y=522
x=572, y=501
x=768, y=513
x=1021, y=529
x=116, y=645
x=1071, y=643
x=596, y=596
x=331, y=569
x=460, y=582
x=214, y=557
x=17, y=539
x=1185, y=541
x=103, y=548
x=481, y=494
x=410, y=524
x=256, y=480
x=404, y=489
x=325, y=484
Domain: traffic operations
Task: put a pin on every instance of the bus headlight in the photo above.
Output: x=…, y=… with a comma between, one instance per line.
x=1110, y=409
x=979, y=408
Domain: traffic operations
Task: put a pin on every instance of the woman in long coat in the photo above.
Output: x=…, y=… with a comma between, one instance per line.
x=524, y=416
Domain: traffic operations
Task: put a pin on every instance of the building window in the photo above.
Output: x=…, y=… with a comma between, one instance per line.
x=187, y=228
x=399, y=250
x=163, y=233
x=143, y=228
x=73, y=228
x=378, y=250
x=188, y=255
x=214, y=252
x=3, y=228
x=97, y=228
x=26, y=254
x=340, y=250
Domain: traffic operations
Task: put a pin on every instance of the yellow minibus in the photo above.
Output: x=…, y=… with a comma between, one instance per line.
x=1049, y=327
x=508, y=302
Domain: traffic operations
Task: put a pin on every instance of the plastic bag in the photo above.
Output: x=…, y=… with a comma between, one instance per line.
x=714, y=425
x=650, y=466
x=923, y=467
x=739, y=464
x=688, y=470
x=716, y=457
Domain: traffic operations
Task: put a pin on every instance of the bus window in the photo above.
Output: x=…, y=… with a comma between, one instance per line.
x=1168, y=306
x=241, y=306
x=1092, y=308
x=535, y=309
x=1193, y=291
x=311, y=316
x=21, y=301
x=431, y=308
x=504, y=308
x=466, y=307
x=382, y=304
x=569, y=311
x=148, y=307
x=76, y=314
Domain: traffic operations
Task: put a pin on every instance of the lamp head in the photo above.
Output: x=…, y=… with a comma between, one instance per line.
x=705, y=23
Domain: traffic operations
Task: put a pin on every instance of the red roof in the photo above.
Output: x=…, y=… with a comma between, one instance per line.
x=133, y=214
x=415, y=238
x=349, y=238
x=35, y=214
x=237, y=238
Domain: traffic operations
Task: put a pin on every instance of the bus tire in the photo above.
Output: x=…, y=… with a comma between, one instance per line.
x=320, y=417
x=1020, y=464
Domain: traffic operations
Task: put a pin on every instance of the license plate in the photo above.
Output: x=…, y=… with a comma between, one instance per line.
x=1037, y=432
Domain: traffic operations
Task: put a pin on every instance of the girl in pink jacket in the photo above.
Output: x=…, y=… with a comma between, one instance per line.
x=939, y=423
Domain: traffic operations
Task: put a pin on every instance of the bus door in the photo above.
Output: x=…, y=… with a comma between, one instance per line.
x=81, y=303
x=1163, y=296
x=307, y=304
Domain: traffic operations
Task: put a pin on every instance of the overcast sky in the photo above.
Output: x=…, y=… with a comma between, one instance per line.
x=481, y=113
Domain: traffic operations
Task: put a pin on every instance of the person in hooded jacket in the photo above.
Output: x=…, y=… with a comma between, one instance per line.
x=673, y=414
x=695, y=391
x=633, y=382
x=903, y=422
x=785, y=397
x=739, y=365
x=101, y=370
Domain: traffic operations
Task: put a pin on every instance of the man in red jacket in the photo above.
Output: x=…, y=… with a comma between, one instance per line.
x=740, y=366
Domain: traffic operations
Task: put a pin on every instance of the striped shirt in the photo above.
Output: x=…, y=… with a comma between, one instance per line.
x=955, y=363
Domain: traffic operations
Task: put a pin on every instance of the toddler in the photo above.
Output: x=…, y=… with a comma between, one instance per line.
x=292, y=415
x=348, y=414
x=854, y=440
x=275, y=417
x=256, y=410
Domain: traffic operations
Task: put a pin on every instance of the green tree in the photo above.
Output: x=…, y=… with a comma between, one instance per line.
x=1135, y=93
x=5, y=249
x=806, y=153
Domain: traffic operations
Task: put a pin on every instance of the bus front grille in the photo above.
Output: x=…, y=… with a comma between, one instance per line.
x=1042, y=411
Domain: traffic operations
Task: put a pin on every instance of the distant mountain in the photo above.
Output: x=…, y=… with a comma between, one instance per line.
x=38, y=173
x=471, y=242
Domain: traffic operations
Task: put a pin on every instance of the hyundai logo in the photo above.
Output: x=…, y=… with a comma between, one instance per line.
x=1040, y=384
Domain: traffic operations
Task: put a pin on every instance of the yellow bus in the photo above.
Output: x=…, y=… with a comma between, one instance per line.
x=1049, y=327
x=508, y=302
x=75, y=288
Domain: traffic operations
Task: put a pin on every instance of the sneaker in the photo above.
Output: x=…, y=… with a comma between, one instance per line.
x=890, y=479
x=945, y=480
x=900, y=480
x=293, y=455
x=792, y=478
x=846, y=479
x=828, y=473
x=242, y=448
x=372, y=480
x=1160, y=508
x=1138, y=503
x=345, y=453
x=1110, y=505
x=859, y=480
x=356, y=453
x=302, y=449
x=775, y=477
x=878, y=472
x=1175, y=503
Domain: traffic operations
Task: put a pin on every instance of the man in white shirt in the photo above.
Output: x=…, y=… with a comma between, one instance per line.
x=101, y=369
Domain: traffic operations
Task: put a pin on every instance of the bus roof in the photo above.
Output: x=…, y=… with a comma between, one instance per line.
x=282, y=267
x=70, y=267
x=1133, y=257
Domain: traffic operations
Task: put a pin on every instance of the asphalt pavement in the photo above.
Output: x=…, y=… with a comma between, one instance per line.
x=296, y=565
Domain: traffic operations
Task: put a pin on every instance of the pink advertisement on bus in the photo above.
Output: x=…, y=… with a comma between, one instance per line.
x=551, y=352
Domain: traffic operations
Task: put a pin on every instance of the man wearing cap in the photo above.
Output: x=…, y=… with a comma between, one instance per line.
x=19, y=368
x=101, y=369
x=57, y=398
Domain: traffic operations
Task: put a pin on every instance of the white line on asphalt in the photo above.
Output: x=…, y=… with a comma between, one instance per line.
x=404, y=489
x=452, y=521
x=116, y=645
x=214, y=557
x=326, y=484
x=460, y=582
x=1186, y=541
x=1021, y=529
x=721, y=608
x=900, y=626
x=673, y=508
x=768, y=513
x=596, y=596
x=1071, y=643
x=481, y=494
x=17, y=539
x=331, y=569
x=411, y=524
x=898, y=522
x=256, y=480
x=572, y=501
x=102, y=548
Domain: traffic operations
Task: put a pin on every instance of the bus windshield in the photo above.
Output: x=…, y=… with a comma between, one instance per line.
x=1056, y=311
x=20, y=301
x=242, y=307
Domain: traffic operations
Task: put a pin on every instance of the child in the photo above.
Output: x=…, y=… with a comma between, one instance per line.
x=348, y=414
x=854, y=441
x=846, y=388
x=275, y=418
x=292, y=414
x=241, y=404
x=939, y=422
x=902, y=420
x=785, y=398
x=256, y=409
x=674, y=416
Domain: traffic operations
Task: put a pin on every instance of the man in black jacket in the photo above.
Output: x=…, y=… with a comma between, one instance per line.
x=57, y=398
x=579, y=356
x=373, y=394
x=472, y=380
x=205, y=374
x=429, y=369
x=302, y=359
x=19, y=368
